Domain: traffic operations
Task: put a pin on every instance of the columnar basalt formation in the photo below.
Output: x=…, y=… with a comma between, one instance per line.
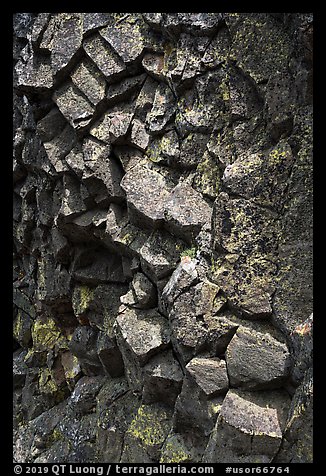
x=162, y=237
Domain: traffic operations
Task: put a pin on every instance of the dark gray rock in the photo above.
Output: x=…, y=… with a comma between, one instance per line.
x=162, y=379
x=51, y=125
x=143, y=333
x=83, y=346
x=193, y=411
x=93, y=21
x=298, y=435
x=186, y=212
x=109, y=355
x=261, y=178
x=256, y=360
x=116, y=409
x=20, y=368
x=73, y=105
x=160, y=254
x=100, y=52
x=142, y=295
x=163, y=109
x=247, y=283
x=22, y=328
x=182, y=279
x=210, y=375
x=146, y=192
x=194, y=326
x=89, y=81
x=84, y=397
x=67, y=41
x=33, y=73
x=126, y=37
x=249, y=428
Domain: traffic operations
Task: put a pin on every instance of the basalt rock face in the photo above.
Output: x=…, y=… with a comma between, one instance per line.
x=162, y=237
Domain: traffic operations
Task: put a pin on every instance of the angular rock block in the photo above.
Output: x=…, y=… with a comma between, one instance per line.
x=162, y=379
x=76, y=109
x=249, y=427
x=210, y=375
x=181, y=279
x=298, y=435
x=159, y=254
x=142, y=295
x=33, y=72
x=100, y=166
x=199, y=402
x=109, y=355
x=186, y=212
x=146, y=192
x=256, y=360
x=100, y=52
x=67, y=41
x=194, y=326
x=83, y=345
x=140, y=335
x=83, y=399
x=163, y=109
x=89, y=81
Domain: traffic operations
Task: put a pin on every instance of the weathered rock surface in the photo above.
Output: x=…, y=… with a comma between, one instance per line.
x=256, y=360
x=162, y=222
x=252, y=423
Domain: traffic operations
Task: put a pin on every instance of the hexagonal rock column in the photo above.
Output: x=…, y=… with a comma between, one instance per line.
x=249, y=427
x=257, y=360
x=140, y=335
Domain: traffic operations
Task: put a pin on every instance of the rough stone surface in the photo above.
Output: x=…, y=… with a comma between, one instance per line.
x=253, y=424
x=162, y=225
x=265, y=362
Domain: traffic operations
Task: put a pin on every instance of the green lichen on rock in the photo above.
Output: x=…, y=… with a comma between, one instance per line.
x=45, y=334
x=151, y=426
x=81, y=298
x=175, y=450
x=207, y=178
x=189, y=252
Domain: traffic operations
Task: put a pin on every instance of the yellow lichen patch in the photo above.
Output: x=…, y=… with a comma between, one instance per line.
x=207, y=179
x=18, y=327
x=151, y=425
x=81, y=298
x=174, y=451
x=46, y=382
x=45, y=334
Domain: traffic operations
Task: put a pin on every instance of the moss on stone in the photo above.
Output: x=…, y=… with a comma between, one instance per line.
x=190, y=252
